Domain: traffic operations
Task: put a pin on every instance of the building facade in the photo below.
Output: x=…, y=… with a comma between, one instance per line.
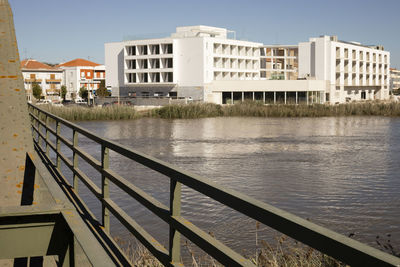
x=47, y=77
x=80, y=73
x=394, y=79
x=353, y=71
x=279, y=62
x=202, y=63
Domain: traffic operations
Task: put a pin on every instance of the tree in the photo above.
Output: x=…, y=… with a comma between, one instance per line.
x=83, y=93
x=102, y=91
x=36, y=90
x=63, y=91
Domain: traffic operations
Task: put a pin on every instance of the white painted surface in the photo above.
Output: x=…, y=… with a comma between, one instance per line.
x=204, y=55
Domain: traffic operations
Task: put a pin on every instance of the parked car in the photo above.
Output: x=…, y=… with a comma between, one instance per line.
x=106, y=104
x=43, y=102
x=80, y=102
x=57, y=104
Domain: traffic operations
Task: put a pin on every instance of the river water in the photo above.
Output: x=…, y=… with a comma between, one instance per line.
x=342, y=173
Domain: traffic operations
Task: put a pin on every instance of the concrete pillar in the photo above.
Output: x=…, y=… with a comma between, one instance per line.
x=284, y=63
x=285, y=97
x=242, y=96
x=231, y=98
x=264, y=97
x=274, y=97
x=253, y=96
x=297, y=98
x=307, y=97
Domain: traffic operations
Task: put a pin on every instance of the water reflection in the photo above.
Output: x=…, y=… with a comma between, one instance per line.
x=339, y=172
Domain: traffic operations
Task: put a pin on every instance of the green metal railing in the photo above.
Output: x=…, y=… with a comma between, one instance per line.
x=338, y=246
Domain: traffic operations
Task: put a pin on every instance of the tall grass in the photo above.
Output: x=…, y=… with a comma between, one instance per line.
x=257, y=109
x=244, y=109
x=78, y=113
x=285, y=253
x=190, y=111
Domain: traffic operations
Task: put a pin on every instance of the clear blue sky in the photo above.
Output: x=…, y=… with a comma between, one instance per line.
x=58, y=30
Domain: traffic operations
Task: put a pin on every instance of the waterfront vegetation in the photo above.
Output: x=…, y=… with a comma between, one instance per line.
x=285, y=253
x=81, y=113
x=245, y=109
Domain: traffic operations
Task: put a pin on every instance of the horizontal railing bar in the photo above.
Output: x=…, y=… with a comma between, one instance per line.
x=209, y=244
x=89, y=183
x=88, y=158
x=38, y=119
x=145, y=238
x=322, y=239
x=146, y=200
x=79, y=129
x=340, y=247
x=65, y=141
x=46, y=127
x=39, y=133
x=51, y=130
x=43, y=123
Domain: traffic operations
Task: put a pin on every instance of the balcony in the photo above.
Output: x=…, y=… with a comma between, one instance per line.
x=53, y=80
x=53, y=91
x=33, y=80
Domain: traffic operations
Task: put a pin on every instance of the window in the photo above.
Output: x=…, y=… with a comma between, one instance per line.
x=169, y=49
x=131, y=77
x=88, y=73
x=33, y=76
x=131, y=65
x=363, y=95
x=131, y=50
x=82, y=75
x=52, y=76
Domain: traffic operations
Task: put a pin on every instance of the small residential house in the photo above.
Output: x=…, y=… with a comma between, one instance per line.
x=47, y=77
x=80, y=73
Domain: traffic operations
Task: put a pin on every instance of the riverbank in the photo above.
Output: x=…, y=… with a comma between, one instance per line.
x=245, y=109
x=286, y=252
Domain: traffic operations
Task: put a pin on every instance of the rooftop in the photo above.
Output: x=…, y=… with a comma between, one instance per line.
x=79, y=62
x=31, y=64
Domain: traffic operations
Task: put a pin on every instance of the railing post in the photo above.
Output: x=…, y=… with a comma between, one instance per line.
x=39, y=126
x=75, y=160
x=175, y=210
x=105, y=164
x=47, y=137
x=58, y=145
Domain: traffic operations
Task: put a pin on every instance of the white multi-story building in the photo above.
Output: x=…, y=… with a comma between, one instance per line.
x=201, y=63
x=47, y=77
x=279, y=62
x=394, y=79
x=180, y=65
x=352, y=71
x=80, y=73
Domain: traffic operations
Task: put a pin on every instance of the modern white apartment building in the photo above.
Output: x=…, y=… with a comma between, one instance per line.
x=47, y=77
x=202, y=63
x=279, y=62
x=180, y=65
x=80, y=73
x=352, y=71
x=394, y=79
